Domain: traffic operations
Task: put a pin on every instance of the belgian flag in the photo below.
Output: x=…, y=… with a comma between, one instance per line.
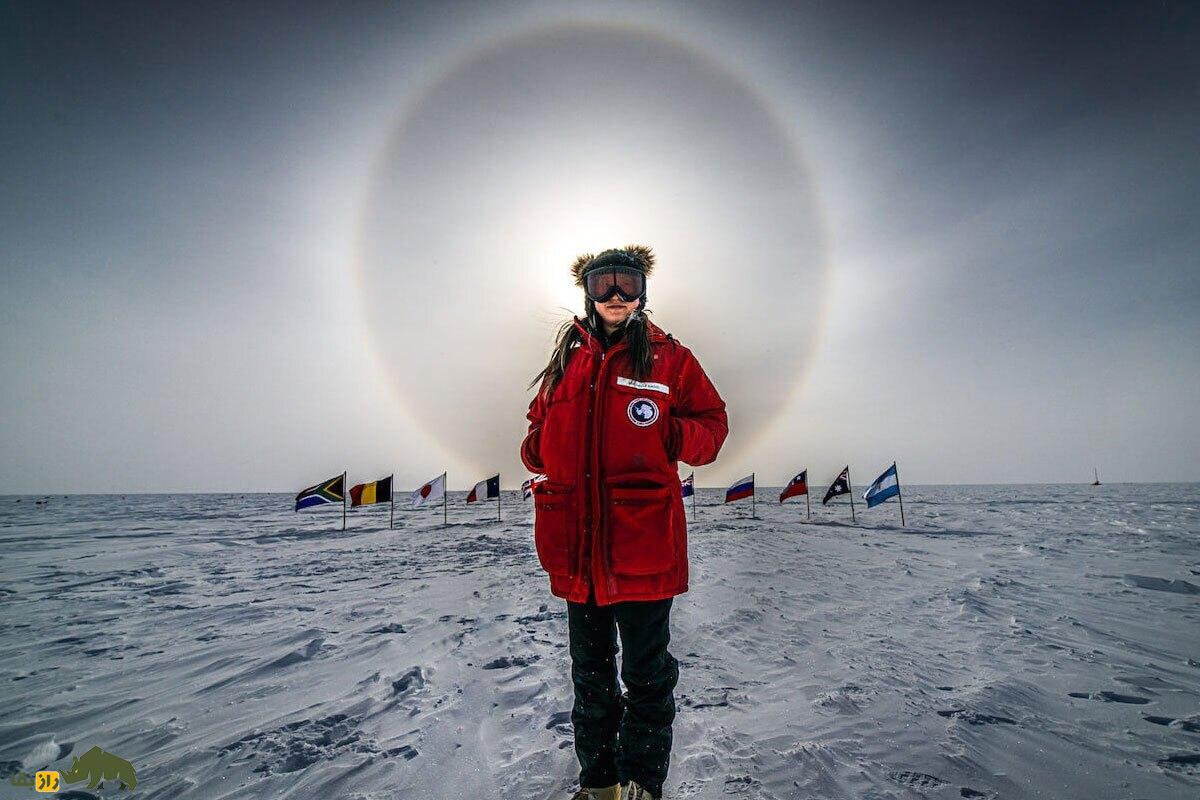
x=364, y=494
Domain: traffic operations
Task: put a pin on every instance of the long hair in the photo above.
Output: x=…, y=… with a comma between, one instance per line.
x=636, y=334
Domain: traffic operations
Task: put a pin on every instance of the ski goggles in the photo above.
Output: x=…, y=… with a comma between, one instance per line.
x=601, y=284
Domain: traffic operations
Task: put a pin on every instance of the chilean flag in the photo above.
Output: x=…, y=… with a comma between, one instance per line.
x=688, y=486
x=796, y=487
x=740, y=490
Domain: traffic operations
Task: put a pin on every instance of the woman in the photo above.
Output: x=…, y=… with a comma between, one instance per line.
x=619, y=404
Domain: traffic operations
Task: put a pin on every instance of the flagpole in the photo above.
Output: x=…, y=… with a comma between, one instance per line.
x=752, y=490
x=899, y=494
x=851, y=486
x=392, y=497
x=807, y=497
x=343, y=500
x=445, y=500
x=693, y=476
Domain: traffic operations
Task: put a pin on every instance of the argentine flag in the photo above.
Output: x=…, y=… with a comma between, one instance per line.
x=885, y=486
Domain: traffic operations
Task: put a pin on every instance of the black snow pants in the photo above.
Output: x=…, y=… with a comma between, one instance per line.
x=622, y=737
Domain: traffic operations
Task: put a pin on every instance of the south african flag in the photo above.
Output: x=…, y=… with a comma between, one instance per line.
x=331, y=491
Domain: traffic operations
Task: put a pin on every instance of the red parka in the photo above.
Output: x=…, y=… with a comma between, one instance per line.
x=610, y=513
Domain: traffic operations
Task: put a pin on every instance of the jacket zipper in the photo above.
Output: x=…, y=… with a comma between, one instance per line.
x=599, y=528
x=598, y=532
x=592, y=506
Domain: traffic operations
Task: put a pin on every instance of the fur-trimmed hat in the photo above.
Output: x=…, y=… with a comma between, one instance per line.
x=638, y=256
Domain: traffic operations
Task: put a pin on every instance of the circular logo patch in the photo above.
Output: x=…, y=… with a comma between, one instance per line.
x=642, y=411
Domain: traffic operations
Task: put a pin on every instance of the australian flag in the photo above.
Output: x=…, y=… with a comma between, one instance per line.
x=840, y=486
x=688, y=486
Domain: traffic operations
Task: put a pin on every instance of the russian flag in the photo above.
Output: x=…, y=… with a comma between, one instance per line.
x=885, y=486
x=740, y=490
x=688, y=488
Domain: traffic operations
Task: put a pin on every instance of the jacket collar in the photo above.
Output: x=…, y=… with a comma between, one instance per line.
x=657, y=334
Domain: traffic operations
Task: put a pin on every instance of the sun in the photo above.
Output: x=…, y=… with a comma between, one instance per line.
x=568, y=225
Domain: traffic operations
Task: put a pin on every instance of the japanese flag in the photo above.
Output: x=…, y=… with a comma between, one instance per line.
x=431, y=492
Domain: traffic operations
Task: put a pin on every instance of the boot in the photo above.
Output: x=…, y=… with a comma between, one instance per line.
x=633, y=791
x=607, y=793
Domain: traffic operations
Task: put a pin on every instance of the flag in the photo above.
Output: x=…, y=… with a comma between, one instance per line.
x=840, y=486
x=796, y=487
x=885, y=486
x=485, y=490
x=431, y=492
x=364, y=494
x=742, y=489
x=331, y=491
x=529, y=486
x=688, y=485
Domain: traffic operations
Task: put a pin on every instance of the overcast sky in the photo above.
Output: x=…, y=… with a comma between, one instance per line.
x=247, y=246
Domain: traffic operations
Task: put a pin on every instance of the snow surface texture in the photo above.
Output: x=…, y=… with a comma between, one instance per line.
x=1013, y=642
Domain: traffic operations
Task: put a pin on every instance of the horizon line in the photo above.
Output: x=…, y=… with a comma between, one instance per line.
x=517, y=489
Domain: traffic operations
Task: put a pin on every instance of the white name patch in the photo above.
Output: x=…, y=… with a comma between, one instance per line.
x=647, y=385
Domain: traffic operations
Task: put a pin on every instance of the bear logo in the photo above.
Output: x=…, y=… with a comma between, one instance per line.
x=642, y=411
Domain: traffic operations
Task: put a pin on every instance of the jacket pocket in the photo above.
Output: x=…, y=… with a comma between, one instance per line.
x=640, y=534
x=554, y=528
